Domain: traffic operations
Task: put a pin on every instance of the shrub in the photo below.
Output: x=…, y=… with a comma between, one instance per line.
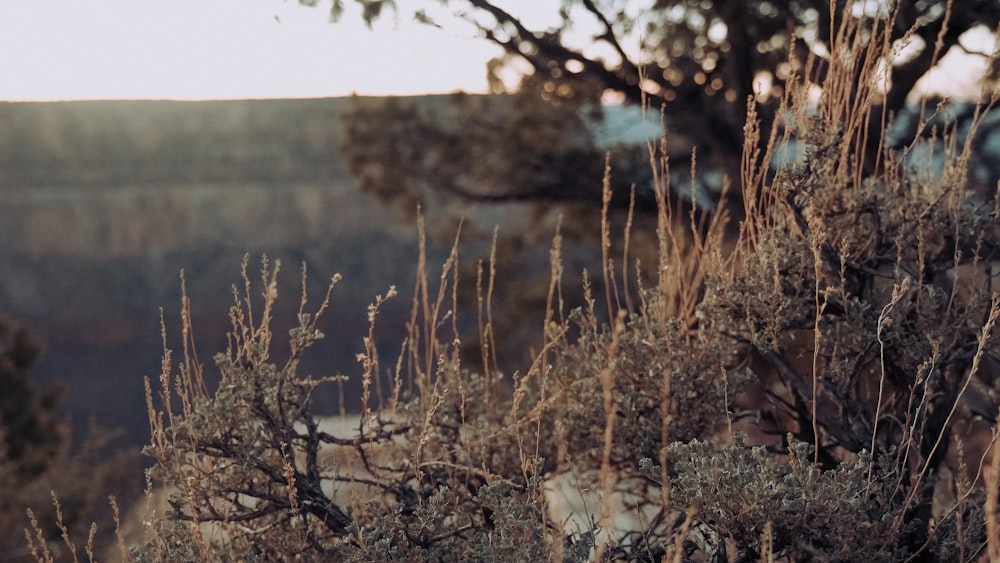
x=792, y=382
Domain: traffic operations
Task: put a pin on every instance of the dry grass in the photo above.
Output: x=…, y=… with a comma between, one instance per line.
x=791, y=387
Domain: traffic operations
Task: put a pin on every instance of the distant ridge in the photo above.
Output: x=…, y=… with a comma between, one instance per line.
x=135, y=142
x=141, y=142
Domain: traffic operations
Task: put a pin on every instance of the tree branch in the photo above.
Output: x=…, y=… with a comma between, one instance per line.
x=549, y=49
x=609, y=36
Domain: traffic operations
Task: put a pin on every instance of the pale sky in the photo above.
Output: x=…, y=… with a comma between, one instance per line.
x=219, y=49
x=198, y=49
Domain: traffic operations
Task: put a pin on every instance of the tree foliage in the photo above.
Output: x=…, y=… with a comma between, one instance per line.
x=27, y=413
x=36, y=462
x=471, y=148
x=697, y=61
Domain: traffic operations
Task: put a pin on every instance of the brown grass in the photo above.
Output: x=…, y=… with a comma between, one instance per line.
x=792, y=387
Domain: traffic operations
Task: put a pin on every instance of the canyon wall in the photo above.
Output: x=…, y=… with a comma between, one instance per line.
x=102, y=204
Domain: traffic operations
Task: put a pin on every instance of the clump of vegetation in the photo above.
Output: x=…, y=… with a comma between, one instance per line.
x=802, y=384
x=37, y=462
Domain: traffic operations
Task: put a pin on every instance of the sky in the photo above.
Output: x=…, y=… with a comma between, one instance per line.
x=210, y=49
x=231, y=49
